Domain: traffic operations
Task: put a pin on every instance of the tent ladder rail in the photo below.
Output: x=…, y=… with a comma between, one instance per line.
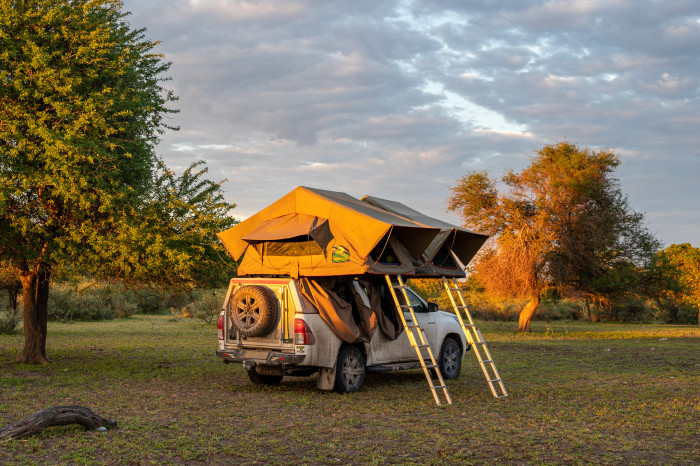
x=475, y=338
x=419, y=343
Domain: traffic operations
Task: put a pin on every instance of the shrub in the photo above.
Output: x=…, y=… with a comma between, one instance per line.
x=204, y=305
x=122, y=303
x=9, y=321
x=66, y=304
x=627, y=310
x=151, y=301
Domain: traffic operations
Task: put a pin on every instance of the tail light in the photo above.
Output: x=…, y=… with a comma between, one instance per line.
x=302, y=333
x=220, y=327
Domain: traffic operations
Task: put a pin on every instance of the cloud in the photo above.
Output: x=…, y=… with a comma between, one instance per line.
x=401, y=98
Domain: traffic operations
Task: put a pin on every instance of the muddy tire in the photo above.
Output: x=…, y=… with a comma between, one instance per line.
x=350, y=370
x=263, y=379
x=253, y=310
x=450, y=360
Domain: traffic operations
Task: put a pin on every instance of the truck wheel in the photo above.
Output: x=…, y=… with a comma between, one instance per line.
x=253, y=310
x=350, y=370
x=263, y=379
x=450, y=361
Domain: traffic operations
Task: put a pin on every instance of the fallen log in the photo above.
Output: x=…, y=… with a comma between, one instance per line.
x=56, y=416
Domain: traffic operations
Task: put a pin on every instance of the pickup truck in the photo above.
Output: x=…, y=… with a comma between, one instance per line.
x=273, y=330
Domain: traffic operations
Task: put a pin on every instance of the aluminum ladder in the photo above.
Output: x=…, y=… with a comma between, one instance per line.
x=475, y=338
x=420, y=344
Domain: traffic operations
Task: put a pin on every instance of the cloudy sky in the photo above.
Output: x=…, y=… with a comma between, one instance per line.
x=399, y=99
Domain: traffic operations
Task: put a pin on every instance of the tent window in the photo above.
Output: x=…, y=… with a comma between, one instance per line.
x=385, y=253
x=297, y=246
x=443, y=258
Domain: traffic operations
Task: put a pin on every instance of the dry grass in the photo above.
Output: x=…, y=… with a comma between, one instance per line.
x=579, y=393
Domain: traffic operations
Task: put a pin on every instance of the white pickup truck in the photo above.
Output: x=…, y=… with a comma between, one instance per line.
x=273, y=330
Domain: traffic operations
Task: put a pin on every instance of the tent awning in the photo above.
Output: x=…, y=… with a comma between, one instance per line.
x=464, y=243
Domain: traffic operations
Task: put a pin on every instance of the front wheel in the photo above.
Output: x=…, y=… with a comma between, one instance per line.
x=450, y=362
x=350, y=370
x=263, y=379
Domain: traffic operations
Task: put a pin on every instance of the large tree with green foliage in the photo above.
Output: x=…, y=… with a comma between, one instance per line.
x=561, y=221
x=82, y=107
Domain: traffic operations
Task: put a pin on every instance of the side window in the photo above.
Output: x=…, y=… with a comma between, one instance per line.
x=416, y=303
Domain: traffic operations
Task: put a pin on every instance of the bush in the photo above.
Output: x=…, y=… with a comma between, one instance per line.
x=151, y=301
x=122, y=303
x=9, y=321
x=687, y=315
x=66, y=304
x=204, y=305
x=628, y=310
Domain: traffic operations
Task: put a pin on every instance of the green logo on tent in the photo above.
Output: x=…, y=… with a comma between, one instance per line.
x=340, y=254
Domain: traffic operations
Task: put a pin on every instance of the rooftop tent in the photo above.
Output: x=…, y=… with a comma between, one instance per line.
x=312, y=232
x=437, y=257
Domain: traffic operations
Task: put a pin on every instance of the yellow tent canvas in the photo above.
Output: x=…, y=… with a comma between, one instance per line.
x=313, y=232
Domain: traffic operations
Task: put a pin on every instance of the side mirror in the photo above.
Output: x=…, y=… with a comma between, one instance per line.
x=432, y=307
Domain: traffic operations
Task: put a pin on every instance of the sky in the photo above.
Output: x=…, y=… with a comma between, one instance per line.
x=400, y=99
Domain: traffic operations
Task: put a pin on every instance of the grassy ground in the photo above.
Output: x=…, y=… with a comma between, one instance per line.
x=579, y=393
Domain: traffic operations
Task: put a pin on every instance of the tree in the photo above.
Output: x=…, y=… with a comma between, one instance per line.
x=82, y=108
x=680, y=264
x=562, y=221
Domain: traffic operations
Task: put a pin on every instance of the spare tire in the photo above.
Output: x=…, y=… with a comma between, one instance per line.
x=254, y=310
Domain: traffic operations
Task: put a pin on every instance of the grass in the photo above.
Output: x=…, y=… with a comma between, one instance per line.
x=579, y=393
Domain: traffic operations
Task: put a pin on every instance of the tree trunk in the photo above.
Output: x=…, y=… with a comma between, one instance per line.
x=588, y=310
x=12, y=294
x=527, y=313
x=35, y=295
x=56, y=416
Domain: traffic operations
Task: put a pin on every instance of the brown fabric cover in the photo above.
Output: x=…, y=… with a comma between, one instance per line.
x=336, y=311
x=392, y=328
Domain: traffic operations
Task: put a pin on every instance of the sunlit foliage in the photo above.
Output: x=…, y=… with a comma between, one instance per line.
x=562, y=221
x=679, y=264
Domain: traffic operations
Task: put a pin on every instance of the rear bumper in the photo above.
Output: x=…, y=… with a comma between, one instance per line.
x=252, y=358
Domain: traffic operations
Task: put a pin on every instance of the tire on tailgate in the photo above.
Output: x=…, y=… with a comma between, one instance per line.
x=254, y=309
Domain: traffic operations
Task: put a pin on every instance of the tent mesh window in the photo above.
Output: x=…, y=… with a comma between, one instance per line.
x=443, y=258
x=297, y=246
x=384, y=253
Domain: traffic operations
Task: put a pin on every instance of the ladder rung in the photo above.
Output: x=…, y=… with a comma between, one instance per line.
x=487, y=360
x=430, y=366
x=422, y=346
x=494, y=380
x=479, y=342
x=439, y=386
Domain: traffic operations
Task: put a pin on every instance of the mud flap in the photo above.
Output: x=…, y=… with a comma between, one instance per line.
x=326, y=378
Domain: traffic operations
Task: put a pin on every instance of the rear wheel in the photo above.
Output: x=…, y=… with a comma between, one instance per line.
x=263, y=379
x=450, y=361
x=350, y=370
